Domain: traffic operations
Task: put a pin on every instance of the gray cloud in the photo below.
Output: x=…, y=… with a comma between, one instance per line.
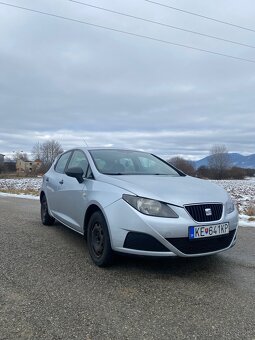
x=69, y=82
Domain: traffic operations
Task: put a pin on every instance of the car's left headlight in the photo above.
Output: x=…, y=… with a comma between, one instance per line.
x=150, y=207
x=230, y=206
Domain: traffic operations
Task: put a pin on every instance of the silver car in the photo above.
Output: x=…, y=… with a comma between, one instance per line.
x=136, y=203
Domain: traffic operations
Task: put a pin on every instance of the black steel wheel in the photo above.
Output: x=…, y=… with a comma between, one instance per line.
x=98, y=240
x=45, y=216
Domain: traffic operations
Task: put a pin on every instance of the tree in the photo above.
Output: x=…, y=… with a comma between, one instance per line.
x=20, y=155
x=50, y=150
x=183, y=165
x=203, y=172
x=237, y=173
x=47, y=152
x=37, y=151
x=219, y=161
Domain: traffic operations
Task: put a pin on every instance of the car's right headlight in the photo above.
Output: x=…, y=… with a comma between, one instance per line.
x=230, y=206
x=150, y=207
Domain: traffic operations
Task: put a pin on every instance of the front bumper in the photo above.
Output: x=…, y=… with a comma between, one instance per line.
x=134, y=233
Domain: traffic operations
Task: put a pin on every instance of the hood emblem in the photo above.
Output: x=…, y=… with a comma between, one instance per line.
x=208, y=212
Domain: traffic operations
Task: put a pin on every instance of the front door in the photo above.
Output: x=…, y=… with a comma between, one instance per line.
x=72, y=195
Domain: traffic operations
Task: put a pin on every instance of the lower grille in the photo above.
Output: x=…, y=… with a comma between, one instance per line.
x=200, y=246
x=199, y=212
x=141, y=241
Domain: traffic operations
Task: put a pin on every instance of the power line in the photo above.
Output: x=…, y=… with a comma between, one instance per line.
x=161, y=24
x=128, y=33
x=201, y=16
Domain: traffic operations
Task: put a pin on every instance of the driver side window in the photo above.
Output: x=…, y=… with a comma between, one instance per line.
x=61, y=163
x=79, y=159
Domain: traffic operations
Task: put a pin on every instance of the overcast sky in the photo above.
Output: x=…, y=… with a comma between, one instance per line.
x=72, y=82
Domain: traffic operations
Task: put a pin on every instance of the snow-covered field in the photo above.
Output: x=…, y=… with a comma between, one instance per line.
x=20, y=186
x=242, y=192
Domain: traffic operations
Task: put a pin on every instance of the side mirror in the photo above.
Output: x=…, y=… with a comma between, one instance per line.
x=76, y=172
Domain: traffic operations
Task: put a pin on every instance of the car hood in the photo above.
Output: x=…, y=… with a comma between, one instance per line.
x=176, y=190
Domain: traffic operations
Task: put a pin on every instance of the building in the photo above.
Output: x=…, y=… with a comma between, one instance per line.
x=27, y=167
x=1, y=158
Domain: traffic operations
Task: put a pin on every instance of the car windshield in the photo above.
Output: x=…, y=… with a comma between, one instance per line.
x=123, y=162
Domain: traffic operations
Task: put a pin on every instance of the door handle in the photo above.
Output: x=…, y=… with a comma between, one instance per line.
x=47, y=179
x=61, y=182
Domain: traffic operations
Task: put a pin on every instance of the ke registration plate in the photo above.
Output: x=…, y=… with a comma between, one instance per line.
x=208, y=231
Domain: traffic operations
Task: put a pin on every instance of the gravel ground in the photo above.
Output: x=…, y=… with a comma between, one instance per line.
x=49, y=288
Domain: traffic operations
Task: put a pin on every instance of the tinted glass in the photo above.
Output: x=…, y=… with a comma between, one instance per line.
x=61, y=163
x=122, y=162
x=79, y=159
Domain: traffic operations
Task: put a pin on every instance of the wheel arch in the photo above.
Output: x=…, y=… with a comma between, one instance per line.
x=89, y=212
x=42, y=193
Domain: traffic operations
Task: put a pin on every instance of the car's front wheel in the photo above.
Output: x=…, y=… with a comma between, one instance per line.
x=98, y=240
x=45, y=216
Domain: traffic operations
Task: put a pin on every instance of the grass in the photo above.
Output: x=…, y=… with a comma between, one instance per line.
x=8, y=175
x=14, y=176
x=250, y=211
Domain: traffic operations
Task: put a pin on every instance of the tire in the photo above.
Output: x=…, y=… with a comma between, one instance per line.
x=45, y=216
x=98, y=240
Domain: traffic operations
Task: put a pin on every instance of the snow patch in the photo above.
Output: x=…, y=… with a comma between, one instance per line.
x=244, y=221
x=29, y=197
x=20, y=183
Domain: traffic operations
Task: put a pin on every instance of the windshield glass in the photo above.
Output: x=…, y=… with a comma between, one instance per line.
x=123, y=162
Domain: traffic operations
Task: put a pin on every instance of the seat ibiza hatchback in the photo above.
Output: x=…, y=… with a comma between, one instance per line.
x=134, y=202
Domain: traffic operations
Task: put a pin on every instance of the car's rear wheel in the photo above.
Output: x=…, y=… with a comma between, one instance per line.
x=45, y=216
x=98, y=240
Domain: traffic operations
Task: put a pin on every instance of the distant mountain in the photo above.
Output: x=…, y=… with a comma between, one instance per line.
x=236, y=160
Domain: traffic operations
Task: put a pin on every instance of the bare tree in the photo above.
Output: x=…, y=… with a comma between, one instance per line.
x=203, y=172
x=37, y=151
x=20, y=155
x=183, y=165
x=219, y=161
x=47, y=152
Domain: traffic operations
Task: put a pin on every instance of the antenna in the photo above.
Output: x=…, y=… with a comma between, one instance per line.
x=85, y=142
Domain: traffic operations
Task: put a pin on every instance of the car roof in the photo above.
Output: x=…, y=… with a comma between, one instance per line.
x=107, y=148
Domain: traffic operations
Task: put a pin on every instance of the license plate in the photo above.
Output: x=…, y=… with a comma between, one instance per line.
x=208, y=231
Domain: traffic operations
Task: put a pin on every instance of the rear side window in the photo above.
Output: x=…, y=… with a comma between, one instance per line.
x=61, y=163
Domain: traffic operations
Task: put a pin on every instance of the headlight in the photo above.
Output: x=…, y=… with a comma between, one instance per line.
x=230, y=207
x=150, y=207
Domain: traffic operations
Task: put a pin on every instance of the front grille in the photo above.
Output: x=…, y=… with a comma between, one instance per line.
x=200, y=246
x=142, y=241
x=198, y=212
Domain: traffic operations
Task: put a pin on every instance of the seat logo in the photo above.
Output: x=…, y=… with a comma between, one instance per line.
x=208, y=212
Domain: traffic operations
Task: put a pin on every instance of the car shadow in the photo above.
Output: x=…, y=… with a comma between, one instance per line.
x=163, y=266
x=179, y=266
